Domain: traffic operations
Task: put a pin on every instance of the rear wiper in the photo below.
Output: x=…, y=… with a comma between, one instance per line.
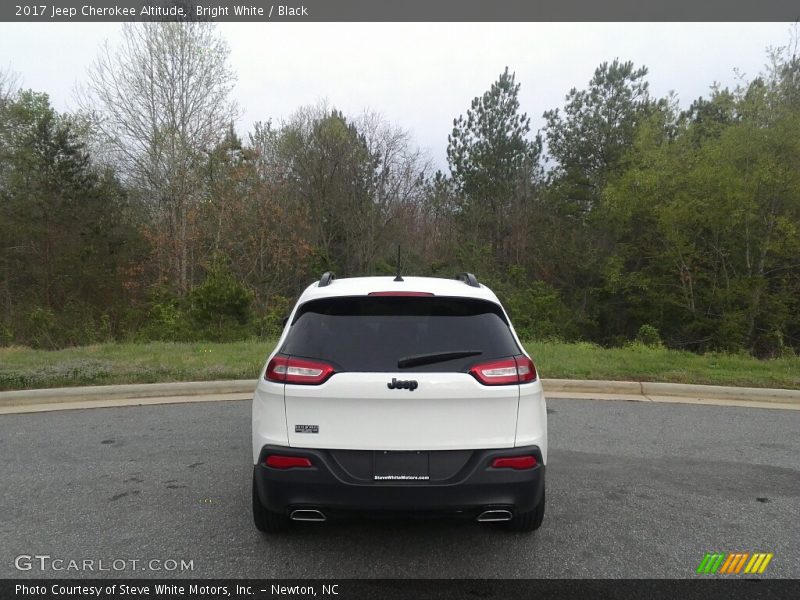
x=434, y=357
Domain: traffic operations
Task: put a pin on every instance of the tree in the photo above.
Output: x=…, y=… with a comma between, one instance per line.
x=243, y=180
x=8, y=93
x=588, y=143
x=590, y=138
x=494, y=166
x=329, y=170
x=220, y=306
x=161, y=100
x=709, y=117
x=708, y=223
x=355, y=178
x=9, y=83
x=69, y=239
x=398, y=191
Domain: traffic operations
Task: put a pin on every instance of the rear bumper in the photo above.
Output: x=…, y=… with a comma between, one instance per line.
x=328, y=486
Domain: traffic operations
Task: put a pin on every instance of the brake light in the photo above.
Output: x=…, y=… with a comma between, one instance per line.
x=519, y=369
x=276, y=461
x=525, y=368
x=296, y=370
x=406, y=294
x=514, y=462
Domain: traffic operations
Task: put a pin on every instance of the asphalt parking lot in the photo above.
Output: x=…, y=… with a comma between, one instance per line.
x=634, y=490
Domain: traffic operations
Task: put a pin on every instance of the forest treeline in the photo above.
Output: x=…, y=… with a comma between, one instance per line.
x=144, y=215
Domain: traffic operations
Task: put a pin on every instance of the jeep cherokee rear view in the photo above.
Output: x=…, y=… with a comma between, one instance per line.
x=399, y=396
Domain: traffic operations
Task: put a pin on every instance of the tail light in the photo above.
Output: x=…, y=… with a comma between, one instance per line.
x=519, y=369
x=297, y=370
x=514, y=462
x=276, y=461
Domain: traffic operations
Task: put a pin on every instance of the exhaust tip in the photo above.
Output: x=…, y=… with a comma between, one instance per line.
x=307, y=514
x=494, y=516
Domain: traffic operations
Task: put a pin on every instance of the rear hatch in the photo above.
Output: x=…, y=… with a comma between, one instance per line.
x=396, y=374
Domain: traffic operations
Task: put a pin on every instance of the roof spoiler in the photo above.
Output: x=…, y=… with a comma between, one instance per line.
x=326, y=279
x=469, y=279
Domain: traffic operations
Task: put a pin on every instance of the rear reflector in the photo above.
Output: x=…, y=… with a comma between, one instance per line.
x=400, y=294
x=283, y=369
x=514, y=462
x=276, y=461
x=519, y=369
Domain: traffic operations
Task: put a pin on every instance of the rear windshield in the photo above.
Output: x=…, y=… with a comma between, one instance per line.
x=374, y=334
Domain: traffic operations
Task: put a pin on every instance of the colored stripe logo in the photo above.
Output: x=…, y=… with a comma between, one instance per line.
x=734, y=563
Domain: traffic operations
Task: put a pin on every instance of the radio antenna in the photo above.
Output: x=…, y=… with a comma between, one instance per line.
x=398, y=277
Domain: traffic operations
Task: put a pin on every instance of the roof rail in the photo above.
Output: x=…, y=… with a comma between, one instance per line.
x=326, y=279
x=469, y=279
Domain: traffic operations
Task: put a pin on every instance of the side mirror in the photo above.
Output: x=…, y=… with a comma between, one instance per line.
x=285, y=320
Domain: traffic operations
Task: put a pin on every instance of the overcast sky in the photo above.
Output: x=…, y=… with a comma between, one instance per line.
x=418, y=75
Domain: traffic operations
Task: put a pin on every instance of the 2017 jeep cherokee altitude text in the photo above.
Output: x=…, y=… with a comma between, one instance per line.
x=399, y=396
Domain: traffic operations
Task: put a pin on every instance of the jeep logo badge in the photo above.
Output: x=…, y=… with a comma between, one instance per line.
x=409, y=385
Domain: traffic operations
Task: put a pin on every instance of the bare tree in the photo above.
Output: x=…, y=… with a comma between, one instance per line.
x=161, y=100
x=9, y=83
x=9, y=88
x=400, y=170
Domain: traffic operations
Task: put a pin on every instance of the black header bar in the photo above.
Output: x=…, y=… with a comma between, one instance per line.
x=398, y=10
x=396, y=589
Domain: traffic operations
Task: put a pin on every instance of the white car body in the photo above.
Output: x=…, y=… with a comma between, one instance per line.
x=448, y=411
x=421, y=399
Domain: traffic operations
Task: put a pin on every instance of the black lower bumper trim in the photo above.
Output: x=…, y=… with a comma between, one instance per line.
x=326, y=486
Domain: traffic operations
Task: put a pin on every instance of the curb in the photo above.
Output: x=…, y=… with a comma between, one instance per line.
x=126, y=392
x=680, y=390
x=195, y=391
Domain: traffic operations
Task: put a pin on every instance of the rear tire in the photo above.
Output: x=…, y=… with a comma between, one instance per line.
x=265, y=520
x=529, y=521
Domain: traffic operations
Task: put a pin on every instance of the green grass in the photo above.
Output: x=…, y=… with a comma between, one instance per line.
x=23, y=368
x=642, y=363
x=154, y=362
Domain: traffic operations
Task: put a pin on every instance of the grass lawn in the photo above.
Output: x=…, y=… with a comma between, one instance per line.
x=23, y=368
x=641, y=363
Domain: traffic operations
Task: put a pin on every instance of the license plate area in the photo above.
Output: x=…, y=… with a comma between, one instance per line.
x=400, y=466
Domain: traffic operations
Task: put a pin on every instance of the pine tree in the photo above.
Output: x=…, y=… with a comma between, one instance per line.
x=493, y=163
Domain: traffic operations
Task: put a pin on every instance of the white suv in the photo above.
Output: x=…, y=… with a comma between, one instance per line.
x=407, y=396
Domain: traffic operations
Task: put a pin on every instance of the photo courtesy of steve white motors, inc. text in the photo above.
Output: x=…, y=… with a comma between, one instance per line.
x=205, y=11
x=171, y=589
